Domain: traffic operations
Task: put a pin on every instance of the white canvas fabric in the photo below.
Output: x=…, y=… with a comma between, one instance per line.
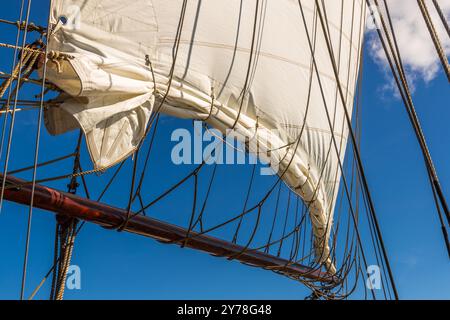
x=111, y=89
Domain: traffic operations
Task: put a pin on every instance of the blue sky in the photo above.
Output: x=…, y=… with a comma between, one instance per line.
x=119, y=265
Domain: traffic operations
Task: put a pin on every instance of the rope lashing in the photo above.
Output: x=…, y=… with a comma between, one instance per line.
x=31, y=54
x=10, y=46
x=56, y=57
x=67, y=234
x=27, y=55
x=30, y=27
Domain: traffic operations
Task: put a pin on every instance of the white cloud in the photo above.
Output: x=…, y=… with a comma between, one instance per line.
x=416, y=47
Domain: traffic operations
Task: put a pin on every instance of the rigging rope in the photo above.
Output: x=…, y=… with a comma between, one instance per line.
x=21, y=25
x=65, y=235
x=435, y=37
x=30, y=215
x=442, y=16
x=396, y=65
x=357, y=155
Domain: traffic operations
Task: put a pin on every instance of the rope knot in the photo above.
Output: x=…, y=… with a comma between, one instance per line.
x=56, y=57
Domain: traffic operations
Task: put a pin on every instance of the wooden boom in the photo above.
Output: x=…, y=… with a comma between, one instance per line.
x=84, y=209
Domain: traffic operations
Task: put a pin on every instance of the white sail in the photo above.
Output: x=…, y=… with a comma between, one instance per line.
x=241, y=64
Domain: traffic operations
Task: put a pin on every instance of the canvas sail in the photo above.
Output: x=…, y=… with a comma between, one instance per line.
x=245, y=65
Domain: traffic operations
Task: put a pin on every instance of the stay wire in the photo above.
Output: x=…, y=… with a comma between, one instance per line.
x=358, y=157
x=399, y=75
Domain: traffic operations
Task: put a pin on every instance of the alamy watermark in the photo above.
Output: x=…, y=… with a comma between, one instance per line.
x=73, y=280
x=211, y=146
x=373, y=281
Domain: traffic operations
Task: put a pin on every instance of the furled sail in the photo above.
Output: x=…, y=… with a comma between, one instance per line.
x=246, y=65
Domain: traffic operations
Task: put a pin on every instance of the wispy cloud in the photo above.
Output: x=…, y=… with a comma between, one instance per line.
x=416, y=47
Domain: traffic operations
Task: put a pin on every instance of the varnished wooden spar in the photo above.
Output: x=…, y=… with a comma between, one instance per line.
x=71, y=205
